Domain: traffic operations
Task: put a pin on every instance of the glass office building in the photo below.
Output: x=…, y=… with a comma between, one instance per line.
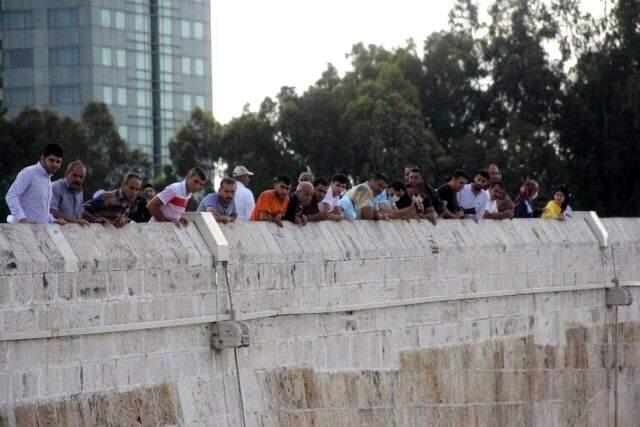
x=148, y=60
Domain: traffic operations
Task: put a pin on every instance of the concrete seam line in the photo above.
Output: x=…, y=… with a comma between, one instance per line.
x=125, y=327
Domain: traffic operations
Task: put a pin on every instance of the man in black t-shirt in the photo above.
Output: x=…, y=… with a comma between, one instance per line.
x=424, y=197
x=448, y=191
x=297, y=202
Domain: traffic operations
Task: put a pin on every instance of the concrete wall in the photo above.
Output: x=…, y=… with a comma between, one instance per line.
x=351, y=324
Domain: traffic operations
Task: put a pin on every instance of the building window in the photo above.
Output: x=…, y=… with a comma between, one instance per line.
x=166, y=100
x=18, y=96
x=63, y=18
x=200, y=101
x=16, y=20
x=120, y=20
x=142, y=23
x=144, y=136
x=124, y=132
x=142, y=99
x=165, y=26
x=186, y=103
x=198, y=30
x=199, y=67
x=186, y=65
x=107, y=95
x=166, y=63
x=61, y=95
x=18, y=58
x=63, y=56
x=185, y=29
x=121, y=58
x=105, y=18
x=106, y=57
x=142, y=61
x=121, y=98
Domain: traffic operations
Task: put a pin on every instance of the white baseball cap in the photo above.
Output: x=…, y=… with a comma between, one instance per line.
x=241, y=170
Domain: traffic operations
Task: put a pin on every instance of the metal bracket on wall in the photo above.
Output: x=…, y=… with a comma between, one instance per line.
x=618, y=296
x=230, y=334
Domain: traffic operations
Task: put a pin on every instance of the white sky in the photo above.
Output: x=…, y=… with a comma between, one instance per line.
x=261, y=45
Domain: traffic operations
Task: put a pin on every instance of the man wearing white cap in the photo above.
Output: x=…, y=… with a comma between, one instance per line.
x=244, y=197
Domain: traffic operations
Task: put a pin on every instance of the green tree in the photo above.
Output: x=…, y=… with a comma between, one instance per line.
x=385, y=127
x=252, y=140
x=107, y=156
x=601, y=117
x=310, y=125
x=523, y=97
x=197, y=144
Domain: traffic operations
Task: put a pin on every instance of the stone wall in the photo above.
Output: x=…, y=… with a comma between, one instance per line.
x=351, y=323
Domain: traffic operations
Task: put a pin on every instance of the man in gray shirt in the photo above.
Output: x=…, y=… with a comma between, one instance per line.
x=66, y=194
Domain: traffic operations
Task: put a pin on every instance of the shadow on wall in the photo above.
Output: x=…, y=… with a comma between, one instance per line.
x=510, y=381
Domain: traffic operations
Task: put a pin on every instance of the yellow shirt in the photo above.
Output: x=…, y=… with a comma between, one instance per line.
x=552, y=210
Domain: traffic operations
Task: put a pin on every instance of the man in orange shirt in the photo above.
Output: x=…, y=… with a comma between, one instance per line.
x=272, y=204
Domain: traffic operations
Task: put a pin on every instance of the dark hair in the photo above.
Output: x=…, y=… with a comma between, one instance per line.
x=342, y=179
x=321, y=181
x=131, y=175
x=227, y=181
x=459, y=173
x=148, y=185
x=198, y=172
x=416, y=170
x=496, y=182
x=381, y=177
x=398, y=185
x=483, y=173
x=567, y=196
x=285, y=179
x=52, y=149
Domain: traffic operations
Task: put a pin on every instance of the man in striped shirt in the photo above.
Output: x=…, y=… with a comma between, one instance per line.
x=29, y=197
x=171, y=203
x=112, y=207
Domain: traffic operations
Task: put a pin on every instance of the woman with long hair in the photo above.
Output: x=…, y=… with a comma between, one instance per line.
x=524, y=201
x=357, y=198
x=555, y=208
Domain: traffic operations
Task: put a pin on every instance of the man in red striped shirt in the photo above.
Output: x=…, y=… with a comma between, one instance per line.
x=170, y=203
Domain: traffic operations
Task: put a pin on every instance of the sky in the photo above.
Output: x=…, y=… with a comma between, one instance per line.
x=261, y=45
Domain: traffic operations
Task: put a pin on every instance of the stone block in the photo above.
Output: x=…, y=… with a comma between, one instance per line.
x=25, y=385
x=85, y=314
x=52, y=317
x=22, y=288
x=66, y=287
x=117, y=284
x=91, y=285
x=18, y=319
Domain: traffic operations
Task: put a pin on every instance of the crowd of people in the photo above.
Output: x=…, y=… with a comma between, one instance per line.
x=33, y=198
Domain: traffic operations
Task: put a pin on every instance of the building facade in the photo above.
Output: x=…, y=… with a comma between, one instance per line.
x=148, y=60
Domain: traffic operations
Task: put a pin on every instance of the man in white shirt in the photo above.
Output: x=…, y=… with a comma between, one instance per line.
x=29, y=197
x=497, y=206
x=472, y=198
x=331, y=199
x=244, y=199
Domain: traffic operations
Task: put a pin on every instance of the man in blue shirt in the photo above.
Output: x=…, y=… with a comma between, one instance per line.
x=29, y=196
x=66, y=194
x=221, y=204
x=381, y=206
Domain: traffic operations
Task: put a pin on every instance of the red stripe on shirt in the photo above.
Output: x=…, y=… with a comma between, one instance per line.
x=179, y=202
